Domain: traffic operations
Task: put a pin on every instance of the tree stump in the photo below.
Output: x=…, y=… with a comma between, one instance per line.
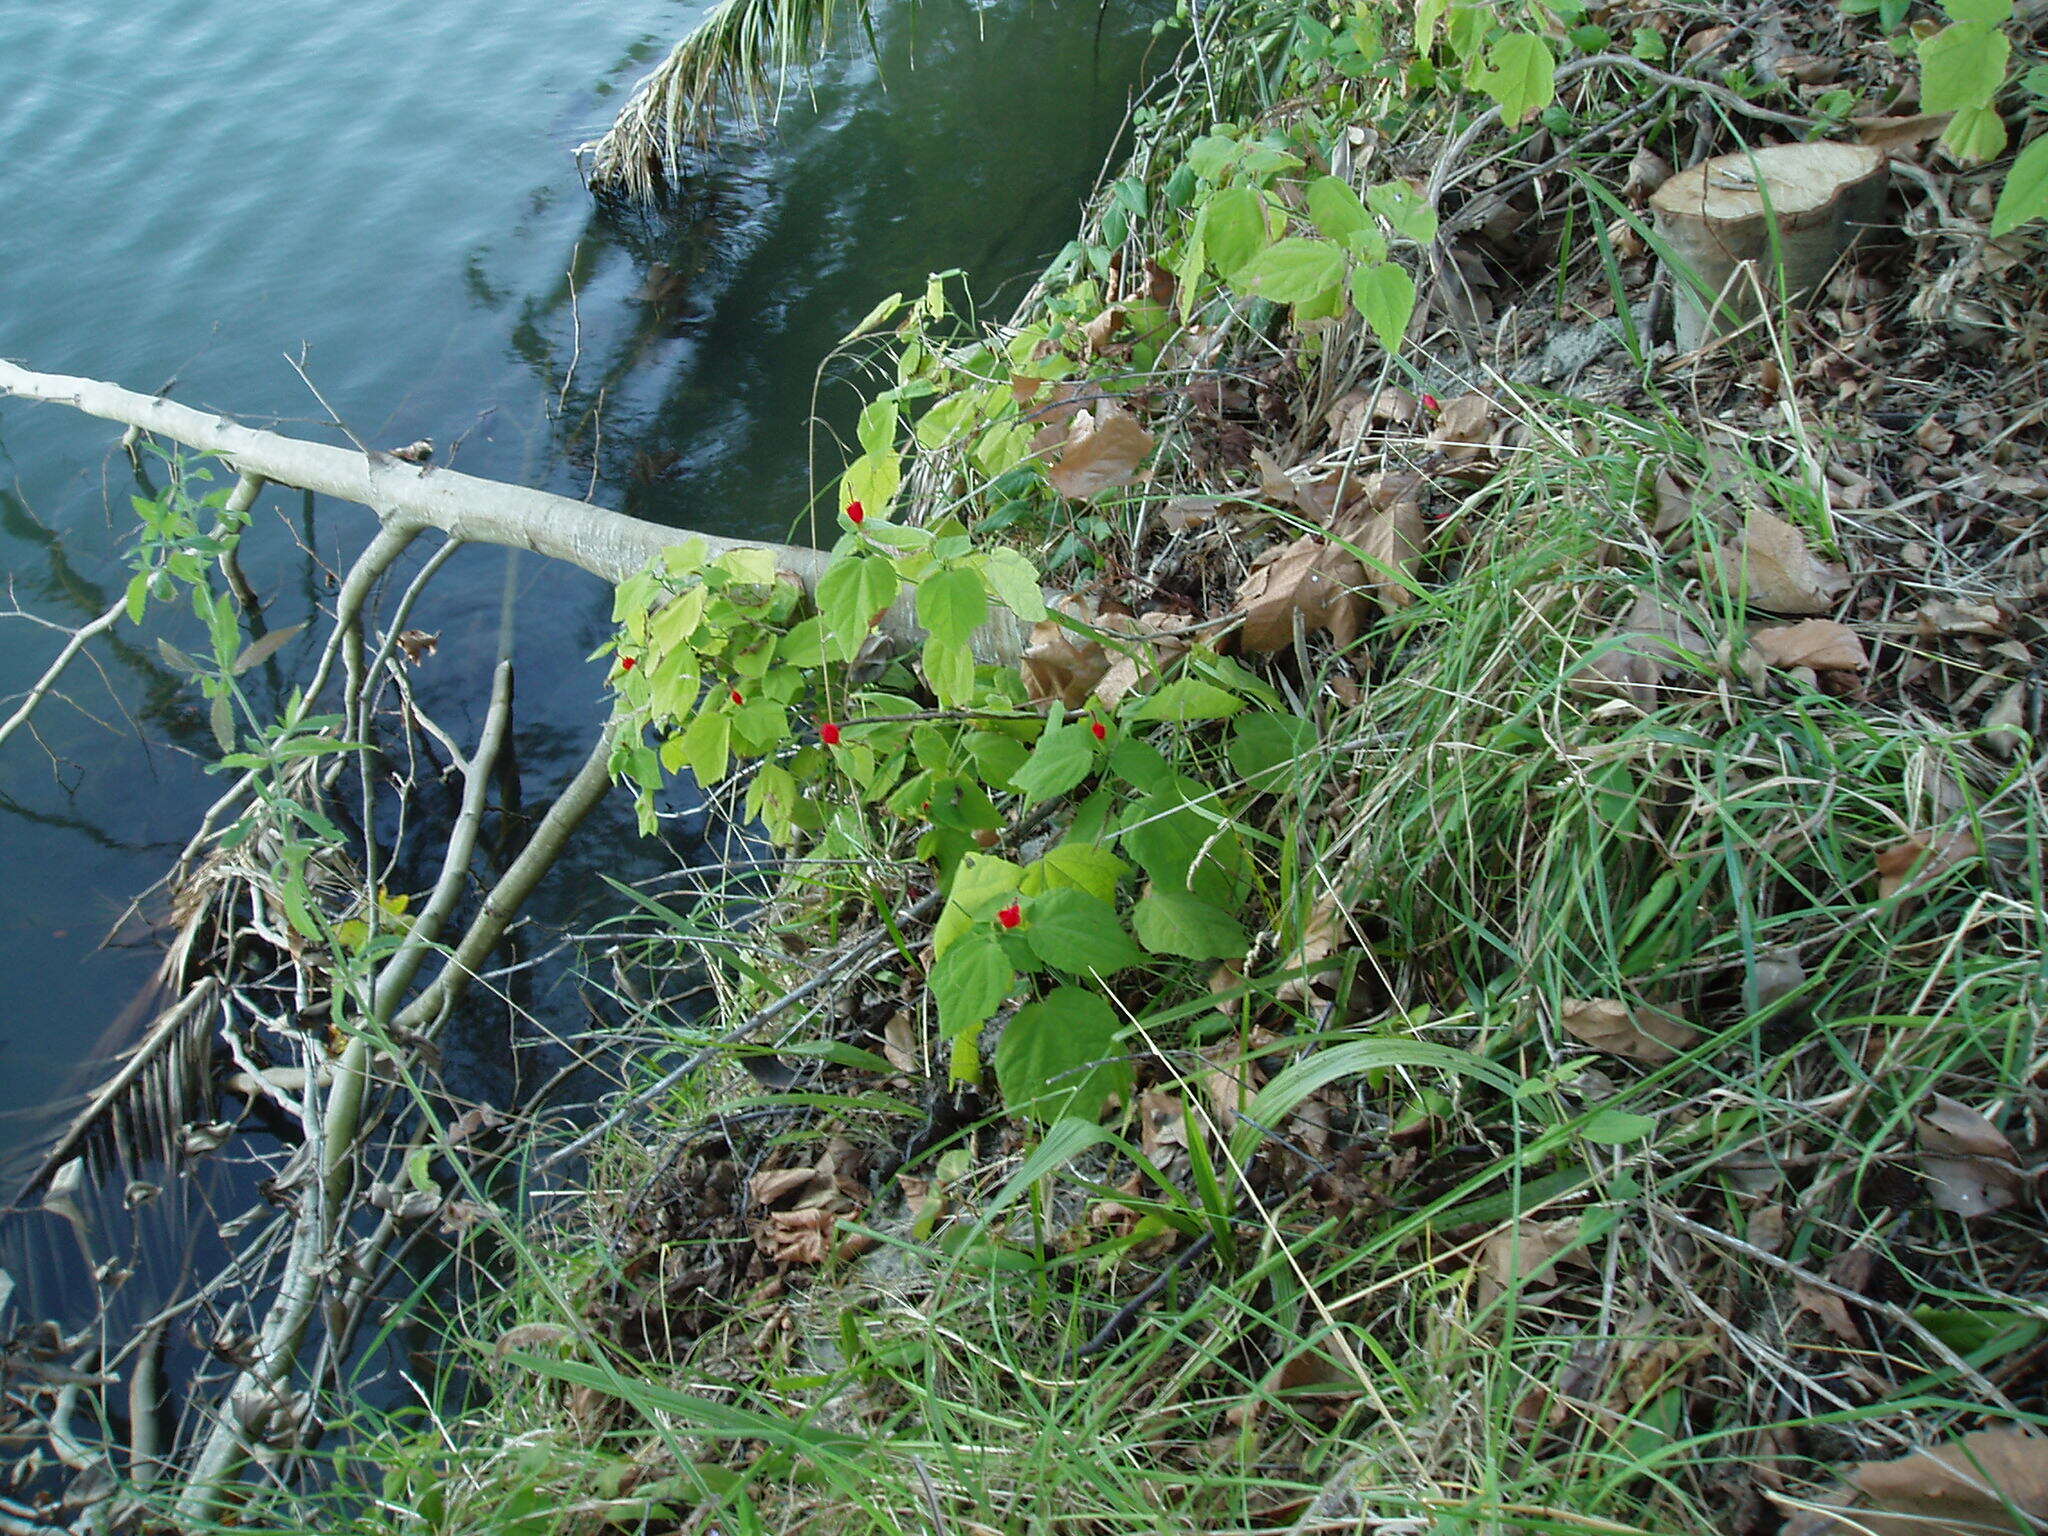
x=1769, y=221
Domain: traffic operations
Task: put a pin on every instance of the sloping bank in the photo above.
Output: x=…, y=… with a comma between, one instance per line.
x=1483, y=972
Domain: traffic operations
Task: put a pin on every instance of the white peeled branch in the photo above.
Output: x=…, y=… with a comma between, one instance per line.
x=1770, y=222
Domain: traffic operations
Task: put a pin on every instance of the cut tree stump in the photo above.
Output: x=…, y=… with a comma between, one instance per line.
x=1732, y=226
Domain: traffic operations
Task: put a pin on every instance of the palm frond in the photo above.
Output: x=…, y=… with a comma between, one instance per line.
x=733, y=63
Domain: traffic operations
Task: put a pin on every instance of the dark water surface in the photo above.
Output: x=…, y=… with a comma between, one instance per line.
x=191, y=189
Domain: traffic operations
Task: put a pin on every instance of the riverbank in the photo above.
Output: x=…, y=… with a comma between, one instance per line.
x=1504, y=990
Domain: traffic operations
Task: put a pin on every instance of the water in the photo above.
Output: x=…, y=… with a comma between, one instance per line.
x=386, y=191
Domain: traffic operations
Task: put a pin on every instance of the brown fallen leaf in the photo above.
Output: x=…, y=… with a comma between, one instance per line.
x=1160, y=284
x=1921, y=859
x=1776, y=568
x=1103, y=449
x=1311, y=581
x=417, y=644
x=1102, y=330
x=1895, y=133
x=797, y=1237
x=1138, y=664
x=1936, y=619
x=1641, y=1033
x=1970, y=1167
x=1822, y=644
x=1060, y=664
x=1358, y=413
x=1390, y=541
x=1652, y=642
x=1467, y=434
x=1323, y=935
x=1991, y=1483
x=1528, y=1251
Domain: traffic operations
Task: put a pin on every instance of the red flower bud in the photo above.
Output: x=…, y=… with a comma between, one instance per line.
x=855, y=512
x=1101, y=731
x=829, y=734
x=1429, y=403
x=1011, y=915
x=737, y=698
x=627, y=663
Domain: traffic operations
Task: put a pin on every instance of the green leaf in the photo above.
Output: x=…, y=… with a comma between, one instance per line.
x=971, y=980
x=952, y=604
x=877, y=427
x=1262, y=743
x=1962, y=66
x=981, y=884
x=1974, y=135
x=706, y=745
x=854, y=590
x=137, y=597
x=1617, y=1127
x=1210, y=156
x=1188, y=698
x=1076, y=932
x=1057, y=1057
x=2025, y=194
x=1076, y=866
x=1013, y=581
x=1063, y=757
x=1175, y=923
x=1385, y=295
x=1519, y=75
x=1403, y=207
x=1233, y=228
x=949, y=668
x=1336, y=209
x=1292, y=270
x=874, y=317
x=259, y=651
x=1992, y=11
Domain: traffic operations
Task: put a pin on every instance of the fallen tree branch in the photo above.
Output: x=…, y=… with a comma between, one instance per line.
x=410, y=498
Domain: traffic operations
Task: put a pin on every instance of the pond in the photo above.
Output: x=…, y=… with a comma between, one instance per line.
x=382, y=197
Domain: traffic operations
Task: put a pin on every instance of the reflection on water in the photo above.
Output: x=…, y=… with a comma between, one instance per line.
x=386, y=192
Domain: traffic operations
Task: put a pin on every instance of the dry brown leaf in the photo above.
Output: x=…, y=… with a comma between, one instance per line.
x=417, y=644
x=1971, y=1168
x=797, y=1237
x=1390, y=542
x=1653, y=642
x=1224, y=1082
x=1921, y=859
x=1777, y=568
x=899, y=1043
x=1641, y=1033
x=1528, y=1250
x=1142, y=663
x=1467, y=434
x=529, y=1335
x=1895, y=133
x=1937, y=619
x=1103, y=448
x=1357, y=413
x=1832, y=1310
x=1991, y=1483
x=1325, y=932
x=792, y=1187
x=2005, y=722
x=1160, y=284
x=1102, y=330
x=1822, y=644
x=1766, y=1228
x=1059, y=664
x=1310, y=580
